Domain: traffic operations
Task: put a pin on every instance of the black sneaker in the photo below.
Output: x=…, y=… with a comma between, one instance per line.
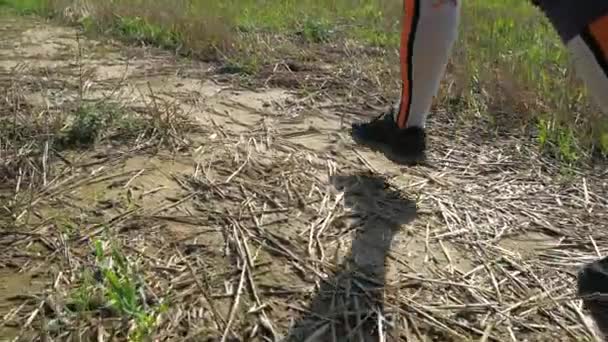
x=402, y=146
x=593, y=288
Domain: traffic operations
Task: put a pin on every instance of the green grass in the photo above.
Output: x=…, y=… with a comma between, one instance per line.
x=116, y=286
x=122, y=287
x=515, y=56
x=92, y=122
x=509, y=64
x=26, y=6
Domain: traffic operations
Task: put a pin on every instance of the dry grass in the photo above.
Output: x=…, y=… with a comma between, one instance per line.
x=275, y=226
x=259, y=234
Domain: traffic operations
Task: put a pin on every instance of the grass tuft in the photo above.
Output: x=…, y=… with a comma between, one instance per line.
x=116, y=289
x=124, y=289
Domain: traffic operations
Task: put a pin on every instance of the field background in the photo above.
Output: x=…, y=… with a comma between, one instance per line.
x=182, y=170
x=509, y=67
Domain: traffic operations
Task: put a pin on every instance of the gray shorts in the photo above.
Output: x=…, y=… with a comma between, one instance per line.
x=570, y=18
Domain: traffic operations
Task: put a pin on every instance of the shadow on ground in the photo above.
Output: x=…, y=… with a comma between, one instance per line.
x=349, y=306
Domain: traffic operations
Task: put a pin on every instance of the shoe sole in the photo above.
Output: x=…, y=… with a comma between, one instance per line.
x=387, y=151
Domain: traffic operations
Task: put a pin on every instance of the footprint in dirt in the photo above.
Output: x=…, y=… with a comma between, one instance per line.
x=349, y=306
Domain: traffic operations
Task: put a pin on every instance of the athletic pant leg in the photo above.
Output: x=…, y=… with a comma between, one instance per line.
x=430, y=28
x=583, y=27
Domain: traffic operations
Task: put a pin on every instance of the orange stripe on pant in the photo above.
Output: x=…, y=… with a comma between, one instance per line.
x=599, y=30
x=410, y=21
x=596, y=37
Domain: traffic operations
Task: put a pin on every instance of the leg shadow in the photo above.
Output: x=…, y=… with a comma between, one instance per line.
x=349, y=306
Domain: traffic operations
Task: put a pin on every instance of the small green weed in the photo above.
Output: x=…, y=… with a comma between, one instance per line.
x=85, y=298
x=91, y=122
x=559, y=141
x=543, y=132
x=141, y=30
x=129, y=126
x=316, y=30
x=88, y=123
x=88, y=24
x=568, y=145
x=603, y=143
x=601, y=137
x=116, y=286
x=245, y=66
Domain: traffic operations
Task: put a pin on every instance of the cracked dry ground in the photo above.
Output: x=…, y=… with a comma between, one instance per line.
x=269, y=224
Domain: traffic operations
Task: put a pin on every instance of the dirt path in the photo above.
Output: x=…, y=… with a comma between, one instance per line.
x=268, y=223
